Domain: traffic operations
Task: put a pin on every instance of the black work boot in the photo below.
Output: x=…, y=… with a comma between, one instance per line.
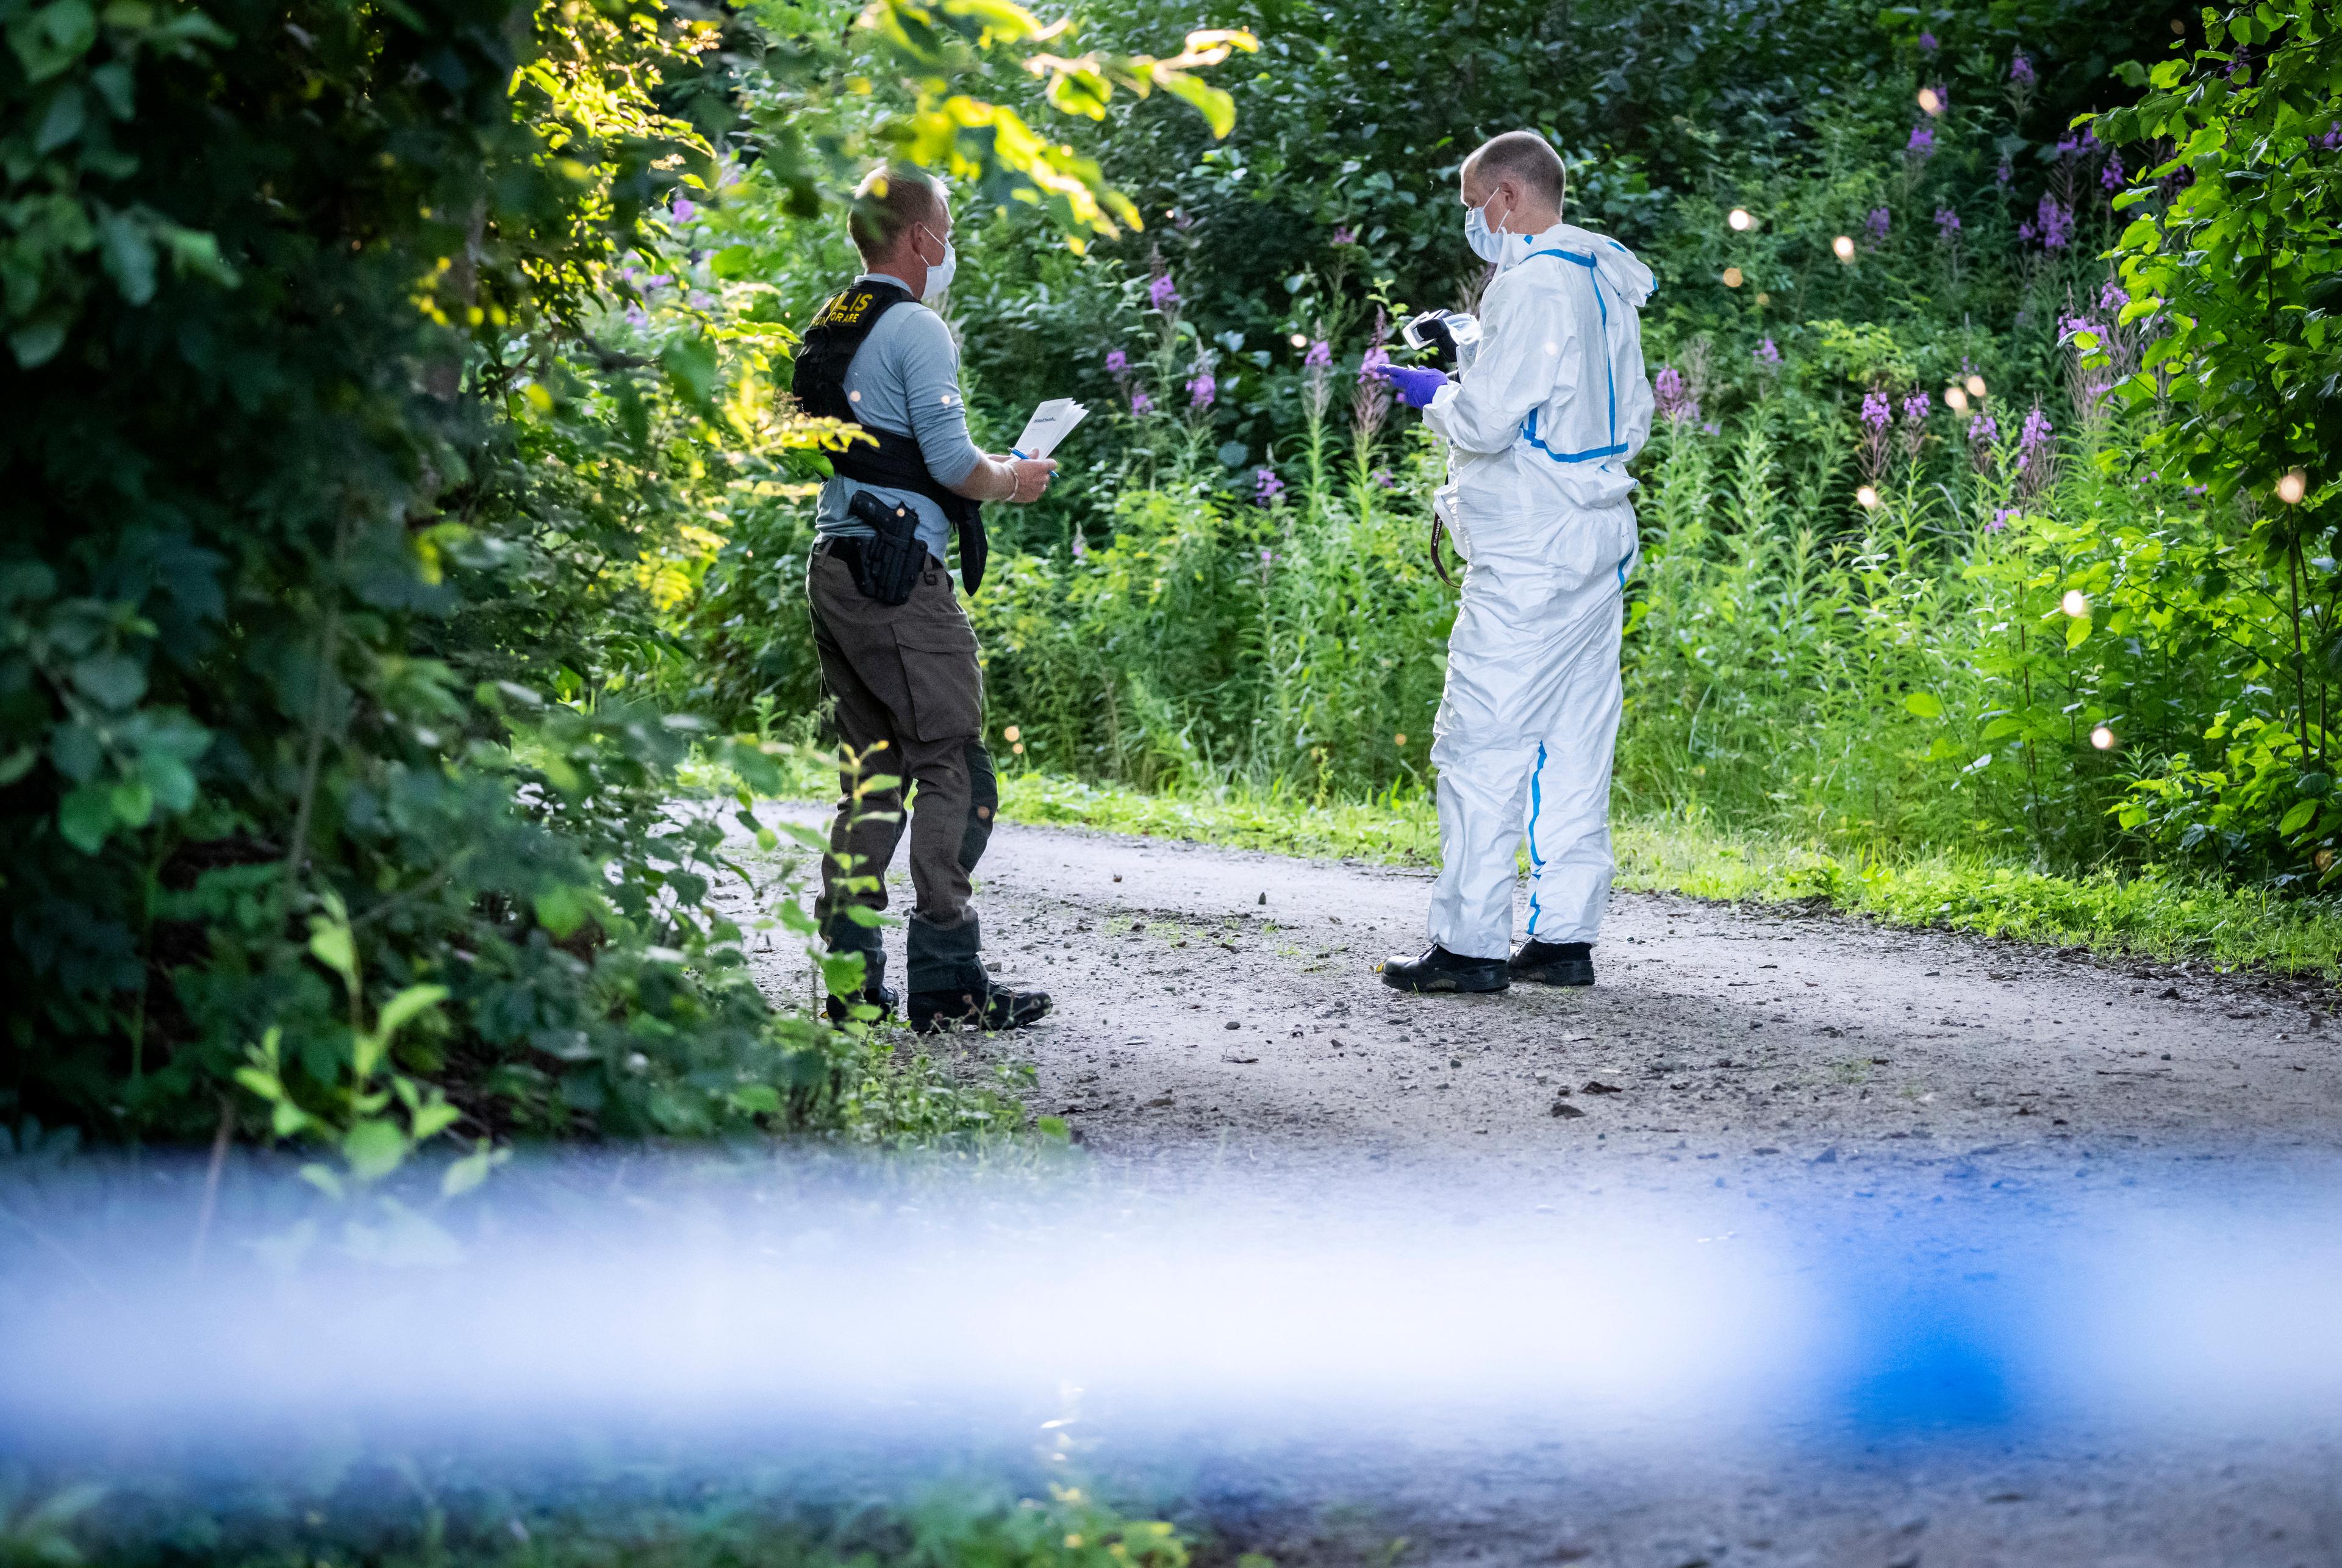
x=843, y=935
x=1555, y=963
x=1440, y=969
x=950, y=987
x=933, y=1012
x=875, y=989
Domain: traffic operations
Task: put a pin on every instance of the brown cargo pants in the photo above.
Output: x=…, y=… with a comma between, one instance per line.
x=907, y=698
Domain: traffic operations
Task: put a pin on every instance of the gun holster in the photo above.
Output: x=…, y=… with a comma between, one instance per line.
x=887, y=566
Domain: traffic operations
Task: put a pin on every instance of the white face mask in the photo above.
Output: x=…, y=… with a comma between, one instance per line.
x=939, y=276
x=1487, y=244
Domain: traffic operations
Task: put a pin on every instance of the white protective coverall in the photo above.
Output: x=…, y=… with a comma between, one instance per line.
x=1541, y=424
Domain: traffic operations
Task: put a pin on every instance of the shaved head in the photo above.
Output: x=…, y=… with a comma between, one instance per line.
x=1526, y=158
x=891, y=201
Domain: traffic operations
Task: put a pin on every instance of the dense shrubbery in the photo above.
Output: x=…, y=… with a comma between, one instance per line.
x=368, y=406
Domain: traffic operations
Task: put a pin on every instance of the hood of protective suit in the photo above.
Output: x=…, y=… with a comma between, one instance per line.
x=1626, y=277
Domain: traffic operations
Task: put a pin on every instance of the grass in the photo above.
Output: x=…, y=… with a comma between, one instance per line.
x=2152, y=914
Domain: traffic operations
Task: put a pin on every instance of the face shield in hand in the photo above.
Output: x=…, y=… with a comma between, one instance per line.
x=1449, y=336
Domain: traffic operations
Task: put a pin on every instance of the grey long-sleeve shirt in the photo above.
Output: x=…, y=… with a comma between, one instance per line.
x=905, y=379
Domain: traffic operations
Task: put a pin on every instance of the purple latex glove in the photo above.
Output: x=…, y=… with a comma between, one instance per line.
x=1415, y=387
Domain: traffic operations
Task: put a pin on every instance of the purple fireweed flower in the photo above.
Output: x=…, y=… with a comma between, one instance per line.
x=2001, y=519
x=1202, y=390
x=1266, y=487
x=1676, y=401
x=2036, y=434
x=656, y=280
x=2057, y=224
x=1381, y=476
x=1877, y=412
x=1927, y=43
x=2114, y=296
x=2069, y=147
x=2111, y=178
x=685, y=208
x=1768, y=353
x=1163, y=294
x=1982, y=430
x=1345, y=235
x=2027, y=232
x=1922, y=142
x=1711, y=428
x=637, y=316
x=1117, y=364
x=2004, y=173
x=1320, y=356
x=1947, y=222
x=1916, y=407
x=2331, y=139
x=2069, y=326
x=1877, y=223
x=700, y=301
x=1376, y=358
x=1081, y=547
x=2020, y=71
x=1140, y=403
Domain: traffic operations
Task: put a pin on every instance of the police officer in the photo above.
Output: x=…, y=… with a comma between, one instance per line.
x=899, y=658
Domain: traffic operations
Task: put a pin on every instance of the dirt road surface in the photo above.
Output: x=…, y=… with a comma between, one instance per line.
x=1217, y=1009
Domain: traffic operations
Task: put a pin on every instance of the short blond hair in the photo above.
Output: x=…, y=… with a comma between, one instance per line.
x=1527, y=158
x=890, y=201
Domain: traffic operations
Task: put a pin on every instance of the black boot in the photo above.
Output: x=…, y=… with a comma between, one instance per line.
x=1440, y=969
x=950, y=986
x=874, y=990
x=933, y=1012
x=1555, y=963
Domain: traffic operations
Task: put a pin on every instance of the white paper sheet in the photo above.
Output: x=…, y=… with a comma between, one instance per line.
x=1051, y=422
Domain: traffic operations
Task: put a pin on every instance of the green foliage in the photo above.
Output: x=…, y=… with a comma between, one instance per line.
x=2234, y=256
x=377, y=404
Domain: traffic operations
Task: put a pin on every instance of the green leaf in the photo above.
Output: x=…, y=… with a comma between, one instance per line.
x=129, y=251
x=2297, y=819
x=49, y=38
x=87, y=816
x=374, y=1148
x=690, y=364
x=758, y=1100
x=1924, y=705
x=66, y=114
x=2077, y=632
x=37, y=342
x=113, y=680
x=133, y=803
x=408, y=1005
x=432, y=1119
x=330, y=942
x=467, y=1173
x=560, y=910
x=1219, y=110
x=17, y=763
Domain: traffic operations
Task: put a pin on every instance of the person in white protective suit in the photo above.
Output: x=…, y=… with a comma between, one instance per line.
x=1541, y=421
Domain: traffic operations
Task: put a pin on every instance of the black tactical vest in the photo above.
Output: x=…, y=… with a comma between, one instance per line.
x=830, y=344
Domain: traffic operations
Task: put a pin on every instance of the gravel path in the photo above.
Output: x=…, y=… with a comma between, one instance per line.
x=1219, y=1008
